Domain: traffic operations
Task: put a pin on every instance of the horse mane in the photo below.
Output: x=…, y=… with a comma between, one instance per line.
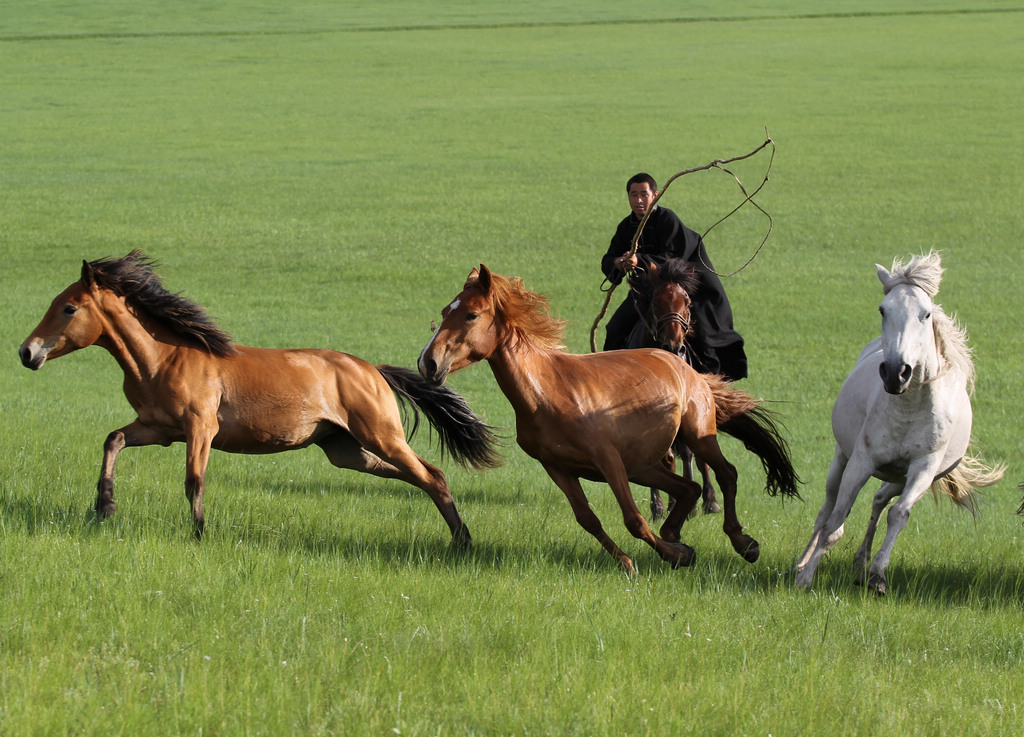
x=526, y=314
x=925, y=272
x=134, y=278
x=951, y=341
x=681, y=272
x=677, y=270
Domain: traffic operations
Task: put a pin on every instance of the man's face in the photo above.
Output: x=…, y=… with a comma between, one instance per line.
x=640, y=197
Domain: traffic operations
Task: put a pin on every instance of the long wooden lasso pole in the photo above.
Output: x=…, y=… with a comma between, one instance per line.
x=716, y=164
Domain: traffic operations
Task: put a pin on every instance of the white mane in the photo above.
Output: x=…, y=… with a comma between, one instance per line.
x=922, y=271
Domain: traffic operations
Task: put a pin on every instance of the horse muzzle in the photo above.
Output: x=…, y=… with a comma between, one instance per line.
x=895, y=377
x=33, y=355
x=430, y=371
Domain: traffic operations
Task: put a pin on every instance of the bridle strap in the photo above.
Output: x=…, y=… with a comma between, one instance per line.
x=672, y=318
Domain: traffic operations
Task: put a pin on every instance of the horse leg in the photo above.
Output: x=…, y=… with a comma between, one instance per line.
x=614, y=473
x=708, y=449
x=917, y=484
x=883, y=496
x=684, y=494
x=832, y=482
x=570, y=486
x=657, y=505
x=197, y=457
x=133, y=435
x=856, y=473
x=710, y=505
x=398, y=462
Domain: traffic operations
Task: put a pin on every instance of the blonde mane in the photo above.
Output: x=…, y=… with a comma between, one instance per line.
x=951, y=341
x=525, y=314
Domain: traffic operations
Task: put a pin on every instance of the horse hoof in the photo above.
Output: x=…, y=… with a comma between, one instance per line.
x=752, y=552
x=713, y=508
x=461, y=541
x=105, y=510
x=878, y=583
x=683, y=558
x=627, y=565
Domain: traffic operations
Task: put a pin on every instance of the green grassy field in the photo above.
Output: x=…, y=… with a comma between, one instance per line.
x=326, y=175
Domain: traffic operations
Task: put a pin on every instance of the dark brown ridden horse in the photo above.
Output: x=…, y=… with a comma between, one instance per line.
x=662, y=297
x=189, y=383
x=610, y=416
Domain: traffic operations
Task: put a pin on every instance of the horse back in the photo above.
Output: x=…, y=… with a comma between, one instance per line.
x=635, y=400
x=267, y=399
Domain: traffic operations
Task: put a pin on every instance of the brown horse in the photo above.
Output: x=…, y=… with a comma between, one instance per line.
x=662, y=298
x=610, y=416
x=189, y=383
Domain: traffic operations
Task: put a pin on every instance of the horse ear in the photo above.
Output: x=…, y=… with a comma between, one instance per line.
x=485, y=279
x=884, y=275
x=88, y=277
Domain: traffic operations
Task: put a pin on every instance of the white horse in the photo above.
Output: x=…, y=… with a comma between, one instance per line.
x=911, y=428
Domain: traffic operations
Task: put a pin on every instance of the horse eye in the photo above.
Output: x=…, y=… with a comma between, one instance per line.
x=70, y=309
x=471, y=317
x=881, y=311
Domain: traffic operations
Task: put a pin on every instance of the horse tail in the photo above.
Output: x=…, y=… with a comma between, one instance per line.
x=465, y=436
x=740, y=415
x=970, y=474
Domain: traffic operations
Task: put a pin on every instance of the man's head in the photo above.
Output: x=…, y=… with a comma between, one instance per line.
x=641, y=189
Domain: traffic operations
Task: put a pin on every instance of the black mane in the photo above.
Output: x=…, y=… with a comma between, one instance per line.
x=133, y=277
x=676, y=270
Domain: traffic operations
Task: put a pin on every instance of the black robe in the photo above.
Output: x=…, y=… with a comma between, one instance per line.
x=715, y=347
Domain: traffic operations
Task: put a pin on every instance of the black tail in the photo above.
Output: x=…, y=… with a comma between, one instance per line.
x=464, y=435
x=757, y=430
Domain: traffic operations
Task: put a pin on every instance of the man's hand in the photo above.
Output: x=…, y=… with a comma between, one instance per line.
x=626, y=262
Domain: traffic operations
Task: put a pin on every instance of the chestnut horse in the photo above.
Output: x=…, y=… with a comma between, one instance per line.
x=662, y=298
x=189, y=383
x=609, y=416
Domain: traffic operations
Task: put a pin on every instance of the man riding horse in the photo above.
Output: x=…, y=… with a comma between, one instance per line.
x=715, y=347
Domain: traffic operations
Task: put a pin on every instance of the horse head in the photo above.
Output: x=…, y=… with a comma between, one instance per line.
x=909, y=354
x=73, y=321
x=467, y=332
x=662, y=296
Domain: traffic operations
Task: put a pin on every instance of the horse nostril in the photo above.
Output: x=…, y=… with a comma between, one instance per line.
x=428, y=368
x=905, y=373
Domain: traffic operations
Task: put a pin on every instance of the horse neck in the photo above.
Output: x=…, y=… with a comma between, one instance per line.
x=519, y=367
x=133, y=345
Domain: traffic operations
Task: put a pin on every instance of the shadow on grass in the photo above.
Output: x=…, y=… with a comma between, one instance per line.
x=348, y=482
x=941, y=583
